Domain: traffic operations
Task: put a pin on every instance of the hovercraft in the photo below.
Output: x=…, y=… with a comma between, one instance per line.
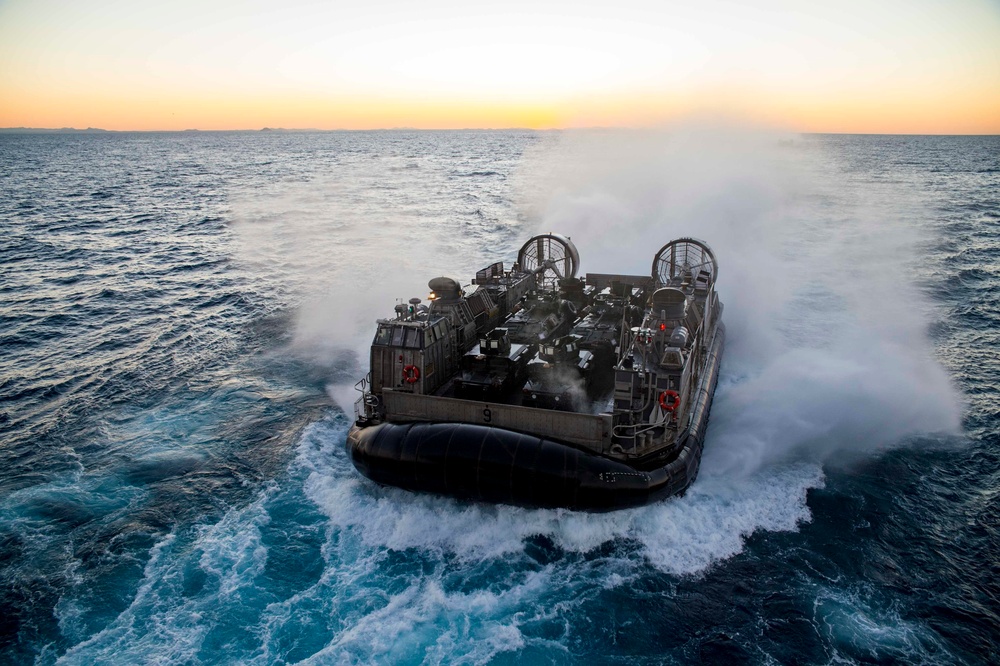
x=538, y=388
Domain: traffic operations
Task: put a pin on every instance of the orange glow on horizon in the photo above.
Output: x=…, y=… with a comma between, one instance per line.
x=854, y=68
x=971, y=112
x=179, y=113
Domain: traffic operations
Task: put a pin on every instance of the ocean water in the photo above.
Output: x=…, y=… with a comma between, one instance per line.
x=183, y=317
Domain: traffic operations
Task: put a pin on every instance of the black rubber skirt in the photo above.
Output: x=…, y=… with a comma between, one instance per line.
x=496, y=465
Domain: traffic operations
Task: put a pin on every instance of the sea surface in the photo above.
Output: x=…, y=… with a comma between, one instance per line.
x=183, y=317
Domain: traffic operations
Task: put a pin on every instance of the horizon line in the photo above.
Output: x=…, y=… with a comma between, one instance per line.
x=100, y=130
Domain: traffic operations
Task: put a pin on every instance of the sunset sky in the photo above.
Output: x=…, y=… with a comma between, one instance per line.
x=895, y=66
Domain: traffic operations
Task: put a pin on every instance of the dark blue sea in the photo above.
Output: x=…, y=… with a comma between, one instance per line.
x=183, y=317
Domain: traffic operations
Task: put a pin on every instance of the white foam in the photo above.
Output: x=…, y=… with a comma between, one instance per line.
x=857, y=628
x=423, y=618
x=390, y=615
x=163, y=624
x=682, y=535
x=173, y=637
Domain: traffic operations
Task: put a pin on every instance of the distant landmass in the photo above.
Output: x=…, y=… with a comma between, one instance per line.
x=97, y=130
x=285, y=129
x=61, y=130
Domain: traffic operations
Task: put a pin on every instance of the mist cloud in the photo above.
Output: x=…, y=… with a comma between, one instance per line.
x=827, y=347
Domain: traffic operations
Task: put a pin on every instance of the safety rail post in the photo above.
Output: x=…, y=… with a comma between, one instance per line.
x=361, y=404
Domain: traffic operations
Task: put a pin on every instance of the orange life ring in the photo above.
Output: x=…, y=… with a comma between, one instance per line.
x=671, y=406
x=411, y=374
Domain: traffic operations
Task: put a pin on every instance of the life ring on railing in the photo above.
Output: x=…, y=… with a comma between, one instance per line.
x=670, y=406
x=411, y=374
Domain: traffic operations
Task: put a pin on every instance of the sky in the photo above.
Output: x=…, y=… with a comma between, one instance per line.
x=875, y=66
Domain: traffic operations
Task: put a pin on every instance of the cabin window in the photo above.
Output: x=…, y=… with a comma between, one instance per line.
x=413, y=336
x=383, y=335
x=397, y=336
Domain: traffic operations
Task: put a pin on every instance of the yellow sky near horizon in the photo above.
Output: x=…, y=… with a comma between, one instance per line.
x=917, y=66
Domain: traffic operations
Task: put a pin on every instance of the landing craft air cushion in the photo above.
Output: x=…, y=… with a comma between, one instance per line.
x=538, y=388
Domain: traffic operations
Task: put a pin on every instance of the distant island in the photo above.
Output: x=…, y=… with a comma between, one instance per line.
x=285, y=129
